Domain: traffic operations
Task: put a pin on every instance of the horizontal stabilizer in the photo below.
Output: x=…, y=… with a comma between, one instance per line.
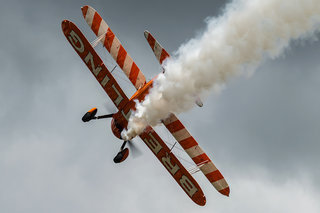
x=199, y=102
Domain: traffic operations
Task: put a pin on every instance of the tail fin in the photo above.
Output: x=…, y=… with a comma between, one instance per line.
x=160, y=53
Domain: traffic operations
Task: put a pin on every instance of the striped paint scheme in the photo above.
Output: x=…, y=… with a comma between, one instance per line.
x=114, y=47
x=89, y=56
x=181, y=134
x=192, y=148
x=160, y=53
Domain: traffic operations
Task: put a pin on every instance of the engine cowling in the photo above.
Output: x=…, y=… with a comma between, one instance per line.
x=116, y=128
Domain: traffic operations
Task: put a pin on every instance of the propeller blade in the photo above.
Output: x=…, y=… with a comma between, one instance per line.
x=134, y=150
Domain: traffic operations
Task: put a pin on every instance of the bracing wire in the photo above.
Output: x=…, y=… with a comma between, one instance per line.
x=194, y=168
x=95, y=42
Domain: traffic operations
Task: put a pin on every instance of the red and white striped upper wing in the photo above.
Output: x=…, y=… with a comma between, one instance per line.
x=199, y=157
x=160, y=53
x=113, y=45
x=181, y=134
x=89, y=56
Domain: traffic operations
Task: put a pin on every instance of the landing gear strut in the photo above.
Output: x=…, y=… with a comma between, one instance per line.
x=124, y=152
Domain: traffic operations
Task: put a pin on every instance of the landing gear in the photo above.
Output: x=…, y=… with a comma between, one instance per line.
x=116, y=129
x=122, y=154
x=91, y=114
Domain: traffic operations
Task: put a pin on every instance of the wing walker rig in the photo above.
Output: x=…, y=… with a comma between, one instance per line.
x=125, y=105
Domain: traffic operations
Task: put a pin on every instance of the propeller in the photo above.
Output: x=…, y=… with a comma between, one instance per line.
x=134, y=150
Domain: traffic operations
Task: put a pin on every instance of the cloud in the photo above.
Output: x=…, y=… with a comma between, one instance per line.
x=238, y=41
x=51, y=162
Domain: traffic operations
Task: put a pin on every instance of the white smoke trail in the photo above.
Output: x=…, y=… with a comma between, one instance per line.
x=248, y=32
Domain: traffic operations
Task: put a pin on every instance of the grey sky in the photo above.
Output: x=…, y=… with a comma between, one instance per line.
x=262, y=131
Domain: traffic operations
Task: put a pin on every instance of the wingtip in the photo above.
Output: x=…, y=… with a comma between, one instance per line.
x=64, y=25
x=84, y=10
x=146, y=34
x=199, y=199
x=225, y=191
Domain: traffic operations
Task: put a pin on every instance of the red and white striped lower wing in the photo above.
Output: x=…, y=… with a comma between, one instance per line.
x=89, y=56
x=160, y=53
x=173, y=165
x=199, y=157
x=114, y=47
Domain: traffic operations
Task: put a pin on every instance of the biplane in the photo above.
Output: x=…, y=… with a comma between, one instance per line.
x=125, y=106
